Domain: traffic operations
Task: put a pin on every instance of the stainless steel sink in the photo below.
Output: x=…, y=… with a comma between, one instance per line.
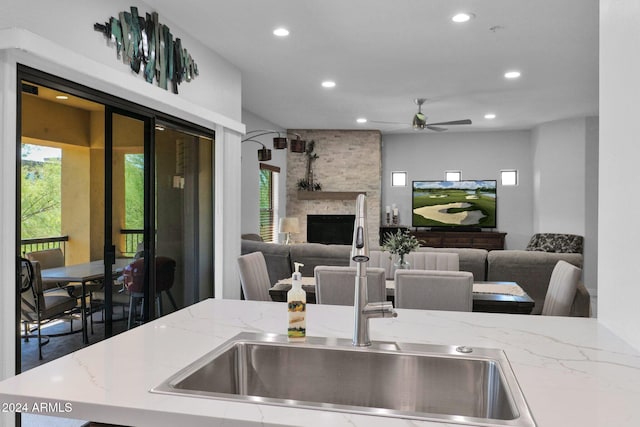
x=427, y=382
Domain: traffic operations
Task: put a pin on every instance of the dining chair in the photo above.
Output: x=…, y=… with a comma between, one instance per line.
x=443, y=261
x=50, y=258
x=562, y=289
x=39, y=305
x=133, y=276
x=336, y=285
x=417, y=261
x=434, y=290
x=254, y=277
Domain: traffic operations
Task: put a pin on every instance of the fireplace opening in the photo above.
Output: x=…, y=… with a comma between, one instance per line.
x=330, y=229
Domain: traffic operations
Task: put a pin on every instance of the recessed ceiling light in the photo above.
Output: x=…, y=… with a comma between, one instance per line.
x=62, y=97
x=328, y=84
x=512, y=74
x=361, y=120
x=490, y=116
x=462, y=17
x=160, y=128
x=281, y=32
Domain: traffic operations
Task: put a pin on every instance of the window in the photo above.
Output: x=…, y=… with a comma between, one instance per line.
x=398, y=179
x=509, y=177
x=452, y=175
x=269, y=176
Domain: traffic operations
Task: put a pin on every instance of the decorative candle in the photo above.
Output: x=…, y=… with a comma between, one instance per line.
x=388, y=209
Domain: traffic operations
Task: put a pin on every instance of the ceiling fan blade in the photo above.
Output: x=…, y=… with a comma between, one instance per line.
x=455, y=122
x=437, y=129
x=387, y=123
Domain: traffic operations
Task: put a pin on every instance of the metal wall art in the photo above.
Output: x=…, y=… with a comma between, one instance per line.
x=148, y=46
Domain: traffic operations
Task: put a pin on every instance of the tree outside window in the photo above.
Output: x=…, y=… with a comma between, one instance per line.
x=268, y=202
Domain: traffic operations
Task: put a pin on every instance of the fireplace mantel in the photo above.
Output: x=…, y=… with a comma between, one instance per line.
x=329, y=195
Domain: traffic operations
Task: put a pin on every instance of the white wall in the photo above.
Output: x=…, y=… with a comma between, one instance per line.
x=479, y=155
x=250, y=169
x=565, y=155
x=618, y=268
x=558, y=150
x=217, y=88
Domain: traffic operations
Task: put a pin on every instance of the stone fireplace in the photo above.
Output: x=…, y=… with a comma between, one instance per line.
x=348, y=163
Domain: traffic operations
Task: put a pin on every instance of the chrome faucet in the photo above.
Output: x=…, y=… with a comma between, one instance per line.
x=364, y=310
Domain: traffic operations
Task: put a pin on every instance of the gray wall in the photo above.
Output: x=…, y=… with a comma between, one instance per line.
x=479, y=155
x=250, y=171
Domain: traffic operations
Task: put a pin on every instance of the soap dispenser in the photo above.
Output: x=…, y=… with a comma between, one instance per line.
x=297, y=304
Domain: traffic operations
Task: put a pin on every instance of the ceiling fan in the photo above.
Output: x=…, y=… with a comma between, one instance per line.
x=419, y=121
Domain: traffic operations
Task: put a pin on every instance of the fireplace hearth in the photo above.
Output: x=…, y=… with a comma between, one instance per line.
x=330, y=229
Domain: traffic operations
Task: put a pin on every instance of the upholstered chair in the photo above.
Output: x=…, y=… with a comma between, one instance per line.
x=254, y=277
x=37, y=305
x=434, y=290
x=562, y=289
x=336, y=285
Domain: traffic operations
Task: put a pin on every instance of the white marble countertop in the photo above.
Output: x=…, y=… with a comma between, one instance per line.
x=572, y=371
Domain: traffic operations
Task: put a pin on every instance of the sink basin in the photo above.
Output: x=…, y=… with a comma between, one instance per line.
x=416, y=381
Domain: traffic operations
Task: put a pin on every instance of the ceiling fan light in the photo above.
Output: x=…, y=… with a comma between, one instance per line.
x=419, y=121
x=279, y=143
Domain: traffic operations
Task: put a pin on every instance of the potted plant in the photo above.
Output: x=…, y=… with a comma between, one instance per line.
x=400, y=243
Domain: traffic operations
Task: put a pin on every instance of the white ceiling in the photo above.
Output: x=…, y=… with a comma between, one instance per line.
x=383, y=54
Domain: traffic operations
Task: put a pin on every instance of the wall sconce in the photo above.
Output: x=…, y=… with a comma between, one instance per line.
x=279, y=142
x=264, y=154
x=289, y=225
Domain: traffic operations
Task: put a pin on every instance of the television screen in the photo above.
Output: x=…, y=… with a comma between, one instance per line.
x=470, y=204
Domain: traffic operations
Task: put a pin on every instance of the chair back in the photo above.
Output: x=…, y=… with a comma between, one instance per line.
x=133, y=274
x=442, y=261
x=336, y=285
x=417, y=261
x=562, y=289
x=434, y=290
x=254, y=276
x=48, y=258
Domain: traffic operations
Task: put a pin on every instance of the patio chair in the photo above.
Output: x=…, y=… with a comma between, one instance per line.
x=37, y=305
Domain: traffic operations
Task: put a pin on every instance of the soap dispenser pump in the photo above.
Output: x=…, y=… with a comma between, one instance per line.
x=297, y=306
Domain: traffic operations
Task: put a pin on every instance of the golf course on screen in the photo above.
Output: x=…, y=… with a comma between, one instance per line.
x=454, y=204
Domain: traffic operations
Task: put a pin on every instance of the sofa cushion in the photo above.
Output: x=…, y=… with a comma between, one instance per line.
x=277, y=258
x=530, y=269
x=314, y=254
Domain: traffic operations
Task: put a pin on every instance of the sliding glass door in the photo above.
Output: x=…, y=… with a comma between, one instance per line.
x=115, y=188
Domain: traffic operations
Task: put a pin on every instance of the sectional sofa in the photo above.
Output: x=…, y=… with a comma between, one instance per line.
x=531, y=269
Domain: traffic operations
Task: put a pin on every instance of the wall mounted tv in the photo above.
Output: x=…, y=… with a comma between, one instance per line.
x=454, y=204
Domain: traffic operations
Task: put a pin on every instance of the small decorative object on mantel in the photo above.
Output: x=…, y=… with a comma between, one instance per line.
x=400, y=243
x=308, y=183
x=396, y=219
x=146, y=44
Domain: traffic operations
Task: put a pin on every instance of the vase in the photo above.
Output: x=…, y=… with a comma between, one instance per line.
x=401, y=264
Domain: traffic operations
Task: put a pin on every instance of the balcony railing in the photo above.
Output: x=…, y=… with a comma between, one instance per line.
x=41, y=244
x=130, y=242
x=132, y=238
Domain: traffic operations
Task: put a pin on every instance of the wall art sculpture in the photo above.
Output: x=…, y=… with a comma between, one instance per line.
x=149, y=47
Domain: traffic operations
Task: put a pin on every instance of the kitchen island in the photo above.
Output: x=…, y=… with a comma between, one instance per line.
x=572, y=371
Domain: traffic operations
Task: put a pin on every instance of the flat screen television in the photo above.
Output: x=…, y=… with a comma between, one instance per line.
x=454, y=204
